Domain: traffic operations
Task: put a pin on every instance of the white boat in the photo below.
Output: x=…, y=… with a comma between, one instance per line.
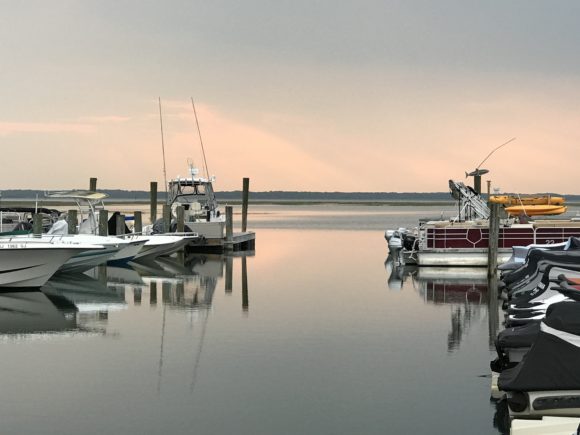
x=115, y=249
x=32, y=263
x=141, y=246
x=197, y=197
x=160, y=244
x=127, y=248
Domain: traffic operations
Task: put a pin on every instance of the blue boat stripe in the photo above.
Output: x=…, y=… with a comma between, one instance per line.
x=16, y=270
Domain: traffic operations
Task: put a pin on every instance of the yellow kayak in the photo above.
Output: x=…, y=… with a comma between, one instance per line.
x=535, y=210
x=512, y=200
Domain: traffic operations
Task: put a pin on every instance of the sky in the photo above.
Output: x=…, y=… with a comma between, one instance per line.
x=317, y=95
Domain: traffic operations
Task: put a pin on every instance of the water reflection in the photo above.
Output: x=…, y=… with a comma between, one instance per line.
x=464, y=290
x=26, y=314
x=81, y=303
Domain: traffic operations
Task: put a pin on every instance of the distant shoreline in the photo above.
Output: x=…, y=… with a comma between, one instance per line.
x=289, y=202
x=52, y=203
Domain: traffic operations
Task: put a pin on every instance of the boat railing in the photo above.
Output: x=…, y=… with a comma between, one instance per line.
x=450, y=237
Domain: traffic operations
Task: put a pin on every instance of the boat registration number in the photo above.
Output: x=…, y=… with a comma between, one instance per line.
x=12, y=245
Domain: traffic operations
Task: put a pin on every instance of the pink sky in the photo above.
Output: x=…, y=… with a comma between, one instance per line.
x=384, y=96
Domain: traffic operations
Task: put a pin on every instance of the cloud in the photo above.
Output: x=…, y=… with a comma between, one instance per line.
x=10, y=128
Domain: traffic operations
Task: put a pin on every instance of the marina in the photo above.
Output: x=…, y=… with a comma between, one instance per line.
x=289, y=218
x=245, y=332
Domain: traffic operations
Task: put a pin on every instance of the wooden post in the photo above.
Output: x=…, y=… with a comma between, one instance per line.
x=493, y=309
x=166, y=218
x=245, y=198
x=493, y=240
x=37, y=224
x=245, y=299
x=153, y=199
x=138, y=222
x=103, y=223
x=229, y=273
x=477, y=184
x=488, y=190
x=93, y=185
x=180, y=219
x=72, y=221
x=120, y=225
x=102, y=273
x=229, y=226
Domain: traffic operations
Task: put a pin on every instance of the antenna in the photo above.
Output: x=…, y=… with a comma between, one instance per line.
x=163, y=150
x=493, y=151
x=200, y=139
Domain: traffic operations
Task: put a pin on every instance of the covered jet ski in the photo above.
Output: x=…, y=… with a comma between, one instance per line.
x=520, y=253
x=547, y=380
x=514, y=342
x=530, y=268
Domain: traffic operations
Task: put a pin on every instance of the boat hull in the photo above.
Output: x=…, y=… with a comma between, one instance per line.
x=87, y=260
x=475, y=257
x=31, y=267
x=158, y=245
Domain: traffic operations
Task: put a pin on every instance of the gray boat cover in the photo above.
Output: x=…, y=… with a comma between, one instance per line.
x=552, y=362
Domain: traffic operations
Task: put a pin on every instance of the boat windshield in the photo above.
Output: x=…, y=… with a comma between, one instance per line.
x=180, y=189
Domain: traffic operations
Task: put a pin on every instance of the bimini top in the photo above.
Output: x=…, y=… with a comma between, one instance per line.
x=79, y=194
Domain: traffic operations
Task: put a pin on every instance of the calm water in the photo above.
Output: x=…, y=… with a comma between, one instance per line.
x=313, y=334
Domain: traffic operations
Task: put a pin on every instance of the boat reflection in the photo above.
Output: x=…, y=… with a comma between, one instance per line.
x=398, y=274
x=187, y=285
x=31, y=314
x=82, y=302
x=463, y=289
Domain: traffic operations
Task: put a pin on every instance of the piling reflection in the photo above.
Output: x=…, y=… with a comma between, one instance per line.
x=464, y=290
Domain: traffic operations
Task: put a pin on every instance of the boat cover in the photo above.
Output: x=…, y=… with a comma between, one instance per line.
x=552, y=362
x=571, y=256
x=518, y=336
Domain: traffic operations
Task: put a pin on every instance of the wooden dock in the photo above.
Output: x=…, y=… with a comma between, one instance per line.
x=243, y=241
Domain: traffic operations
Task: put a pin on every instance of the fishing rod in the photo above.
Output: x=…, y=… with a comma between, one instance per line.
x=163, y=150
x=200, y=139
x=493, y=151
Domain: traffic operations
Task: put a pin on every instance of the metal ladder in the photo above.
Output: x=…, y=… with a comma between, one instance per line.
x=470, y=203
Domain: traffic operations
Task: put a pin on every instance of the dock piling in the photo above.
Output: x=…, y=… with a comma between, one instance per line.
x=102, y=273
x=493, y=240
x=229, y=226
x=72, y=221
x=166, y=218
x=153, y=200
x=103, y=223
x=245, y=198
x=138, y=222
x=120, y=224
x=37, y=224
x=180, y=219
x=93, y=184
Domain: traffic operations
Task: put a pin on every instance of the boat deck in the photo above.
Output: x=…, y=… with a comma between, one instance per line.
x=242, y=241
